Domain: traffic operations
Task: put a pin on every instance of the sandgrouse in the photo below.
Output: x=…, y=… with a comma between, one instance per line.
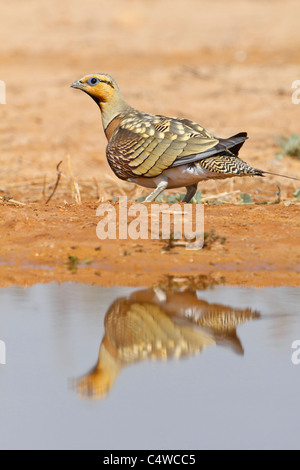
x=158, y=324
x=161, y=152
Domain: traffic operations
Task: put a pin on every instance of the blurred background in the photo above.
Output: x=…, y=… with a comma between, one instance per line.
x=228, y=65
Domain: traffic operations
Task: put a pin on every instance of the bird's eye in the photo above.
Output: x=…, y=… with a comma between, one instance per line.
x=93, y=81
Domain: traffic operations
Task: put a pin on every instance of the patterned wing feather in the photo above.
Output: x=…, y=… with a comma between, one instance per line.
x=146, y=145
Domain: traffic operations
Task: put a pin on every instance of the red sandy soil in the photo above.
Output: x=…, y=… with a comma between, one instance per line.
x=261, y=248
x=227, y=65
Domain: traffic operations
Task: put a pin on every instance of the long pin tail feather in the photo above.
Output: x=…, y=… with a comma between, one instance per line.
x=282, y=176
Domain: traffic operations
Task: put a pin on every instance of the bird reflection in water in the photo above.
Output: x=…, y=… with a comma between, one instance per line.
x=161, y=325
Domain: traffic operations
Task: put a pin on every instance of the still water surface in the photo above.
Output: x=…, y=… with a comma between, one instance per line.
x=121, y=368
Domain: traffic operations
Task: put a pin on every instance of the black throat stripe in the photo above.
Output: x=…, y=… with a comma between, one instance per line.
x=107, y=82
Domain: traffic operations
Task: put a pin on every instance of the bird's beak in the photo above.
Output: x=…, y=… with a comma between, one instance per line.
x=78, y=84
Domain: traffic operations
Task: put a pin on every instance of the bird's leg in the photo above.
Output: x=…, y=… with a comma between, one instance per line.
x=191, y=191
x=159, y=189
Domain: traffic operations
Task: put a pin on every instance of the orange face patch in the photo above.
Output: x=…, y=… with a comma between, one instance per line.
x=98, y=86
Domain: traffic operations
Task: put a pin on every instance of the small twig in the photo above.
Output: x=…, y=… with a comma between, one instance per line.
x=59, y=173
x=10, y=200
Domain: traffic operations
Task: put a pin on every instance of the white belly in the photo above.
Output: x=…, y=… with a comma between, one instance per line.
x=184, y=175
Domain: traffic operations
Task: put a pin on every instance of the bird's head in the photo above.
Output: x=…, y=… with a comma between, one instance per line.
x=101, y=87
x=105, y=92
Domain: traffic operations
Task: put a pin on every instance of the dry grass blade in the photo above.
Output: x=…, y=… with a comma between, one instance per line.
x=220, y=195
x=74, y=184
x=44, y=187
x=10, y=200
